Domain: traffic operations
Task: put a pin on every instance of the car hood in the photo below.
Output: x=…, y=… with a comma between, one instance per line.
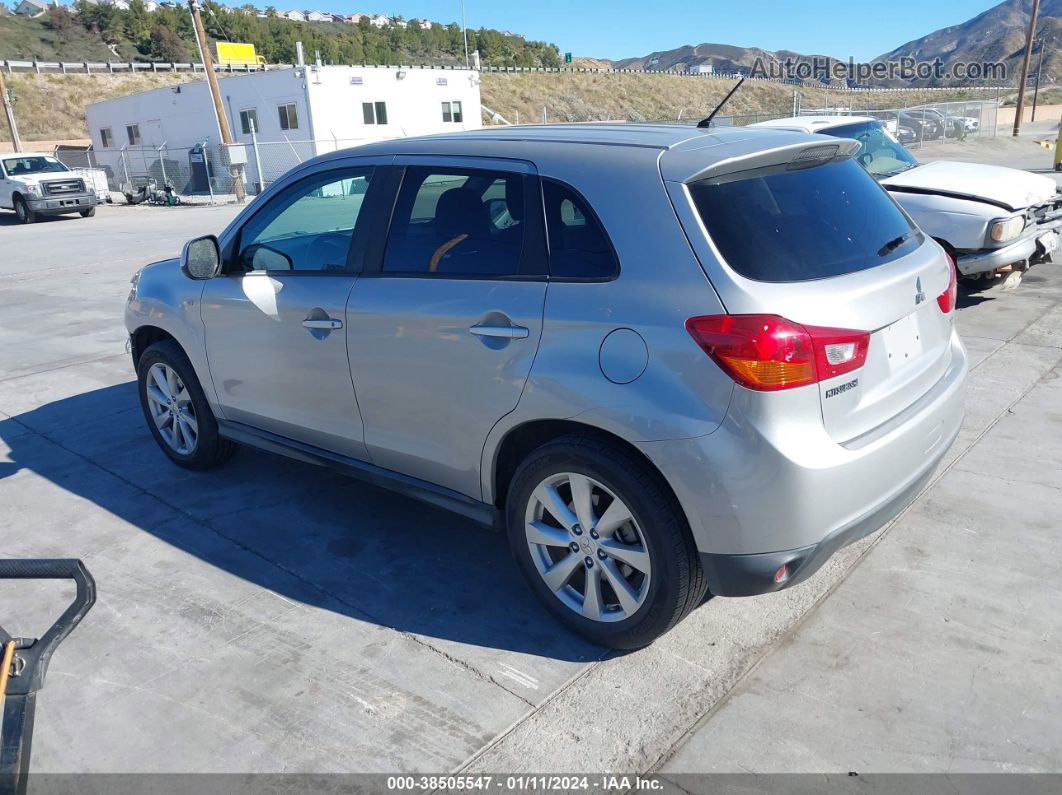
x=1009, y=187
x=47, y=176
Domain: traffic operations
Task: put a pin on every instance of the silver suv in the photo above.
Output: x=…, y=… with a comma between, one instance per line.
x=664, y=359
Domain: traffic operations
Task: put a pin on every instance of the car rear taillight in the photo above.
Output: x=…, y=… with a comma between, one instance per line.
x=946, y=300
x=768, y=352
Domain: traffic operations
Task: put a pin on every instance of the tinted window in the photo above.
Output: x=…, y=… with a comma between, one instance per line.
x=813, y=223
x=578, y=245
x=309, y=226
x=457, y=222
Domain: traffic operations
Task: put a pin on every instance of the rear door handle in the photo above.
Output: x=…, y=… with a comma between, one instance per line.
x=505, y=332
x=328, y=323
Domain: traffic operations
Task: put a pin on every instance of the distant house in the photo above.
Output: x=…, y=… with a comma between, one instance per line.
x=379, y=20
x=318, y=16
x=31, y=8
x=151, y=6
x=294, y=16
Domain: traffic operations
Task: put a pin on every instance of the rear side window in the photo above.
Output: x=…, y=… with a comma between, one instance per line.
x=458, y=222
x=578, y=245
x=813, y=223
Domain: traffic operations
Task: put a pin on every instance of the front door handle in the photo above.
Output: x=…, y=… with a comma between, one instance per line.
x=328, y=324
x=504, y=332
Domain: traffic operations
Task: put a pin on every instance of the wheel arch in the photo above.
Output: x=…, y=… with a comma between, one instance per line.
x=521, y=440
x=146, y=336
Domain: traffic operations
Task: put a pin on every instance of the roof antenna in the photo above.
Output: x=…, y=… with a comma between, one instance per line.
x=704, y=123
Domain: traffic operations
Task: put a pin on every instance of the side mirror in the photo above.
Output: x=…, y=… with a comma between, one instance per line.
x=201, y=258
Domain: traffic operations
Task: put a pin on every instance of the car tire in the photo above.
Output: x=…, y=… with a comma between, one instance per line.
x=656, y=538
x=176, y=409
x=24, y=213
x=91, y=211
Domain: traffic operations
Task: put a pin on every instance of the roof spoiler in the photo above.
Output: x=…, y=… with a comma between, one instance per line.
x=790, y=157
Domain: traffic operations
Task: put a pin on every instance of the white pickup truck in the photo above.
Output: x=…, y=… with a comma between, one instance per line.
x=34, y=184
x=990, y=219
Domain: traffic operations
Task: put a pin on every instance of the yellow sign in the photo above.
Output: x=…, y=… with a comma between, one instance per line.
x=237, y=54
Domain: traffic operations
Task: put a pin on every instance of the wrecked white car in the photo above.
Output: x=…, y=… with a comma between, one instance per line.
x=990, y=219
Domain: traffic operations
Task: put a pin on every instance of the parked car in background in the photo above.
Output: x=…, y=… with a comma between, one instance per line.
x=34, y=185
x=952, y=126
x=989, y=218
x=664, y=359
x=925, y=127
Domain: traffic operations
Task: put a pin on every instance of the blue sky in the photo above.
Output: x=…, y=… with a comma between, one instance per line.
x=627, y=28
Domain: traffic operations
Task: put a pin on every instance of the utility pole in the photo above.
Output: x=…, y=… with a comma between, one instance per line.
x=1020, y=106
x=10, y=112
x=464, y=32
x=1036, y=89
x=215, y=93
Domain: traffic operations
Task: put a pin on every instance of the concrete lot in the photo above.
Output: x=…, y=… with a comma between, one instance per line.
x=273, y=616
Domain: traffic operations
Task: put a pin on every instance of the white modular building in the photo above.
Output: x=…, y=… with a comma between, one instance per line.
x=294, y=113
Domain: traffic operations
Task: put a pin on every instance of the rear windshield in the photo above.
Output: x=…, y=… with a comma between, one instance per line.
x=813, y=223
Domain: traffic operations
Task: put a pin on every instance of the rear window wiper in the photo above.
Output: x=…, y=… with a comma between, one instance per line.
x=895, y=243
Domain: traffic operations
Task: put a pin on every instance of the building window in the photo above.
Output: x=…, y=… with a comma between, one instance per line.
x=249, y=121
x=132, y=131
x=452, y=112
x=374, y=112
x=106, y=138
x=289, y=117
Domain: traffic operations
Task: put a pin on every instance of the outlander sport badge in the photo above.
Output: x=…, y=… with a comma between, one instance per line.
x=919, y=295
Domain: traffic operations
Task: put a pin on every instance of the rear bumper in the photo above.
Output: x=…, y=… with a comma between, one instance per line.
x=749, y=575
x=768, y=488
x=60, y=205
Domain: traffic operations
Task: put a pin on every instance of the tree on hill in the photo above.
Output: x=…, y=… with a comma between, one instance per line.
x=169, y=29
x=165, y=45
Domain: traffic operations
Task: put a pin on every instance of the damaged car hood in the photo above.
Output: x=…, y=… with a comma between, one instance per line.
x=1006, y=187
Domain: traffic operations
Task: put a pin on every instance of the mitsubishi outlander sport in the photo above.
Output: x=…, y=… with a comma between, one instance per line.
x=663, y=359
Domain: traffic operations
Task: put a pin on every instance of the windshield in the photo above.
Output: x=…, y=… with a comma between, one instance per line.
x=32, y=164
x=879, y=153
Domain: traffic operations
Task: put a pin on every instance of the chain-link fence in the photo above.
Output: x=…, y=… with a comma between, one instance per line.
x=914, y=126
x=202, y=174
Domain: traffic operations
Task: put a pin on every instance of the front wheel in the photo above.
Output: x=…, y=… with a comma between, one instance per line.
x=91, y=211
x=24, y=213
x=176, y=409
x=602, y=542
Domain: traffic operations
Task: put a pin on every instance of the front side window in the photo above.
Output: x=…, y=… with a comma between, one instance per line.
x=798, y=225
x=106, y=138
x=879, y=153
x=458, y=222
x=33, y=164
x=578, y=245
x=132, y=132
x=249, y=121
x=308, y=227
x=289, y=116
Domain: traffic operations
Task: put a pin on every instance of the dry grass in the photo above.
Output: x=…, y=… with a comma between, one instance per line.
x=633, y=97
x=51, y=106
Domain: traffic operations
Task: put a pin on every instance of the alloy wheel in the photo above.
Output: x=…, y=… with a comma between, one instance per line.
x=587, y=547
x=171, y=408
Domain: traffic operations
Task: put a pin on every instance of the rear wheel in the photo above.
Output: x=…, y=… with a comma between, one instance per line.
x=24, y=213
x=602, y=542
x=177, y=411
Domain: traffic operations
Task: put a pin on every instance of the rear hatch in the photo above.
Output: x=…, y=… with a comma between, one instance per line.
x=815, y=240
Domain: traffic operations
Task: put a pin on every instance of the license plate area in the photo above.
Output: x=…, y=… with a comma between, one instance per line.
x=903, y=342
